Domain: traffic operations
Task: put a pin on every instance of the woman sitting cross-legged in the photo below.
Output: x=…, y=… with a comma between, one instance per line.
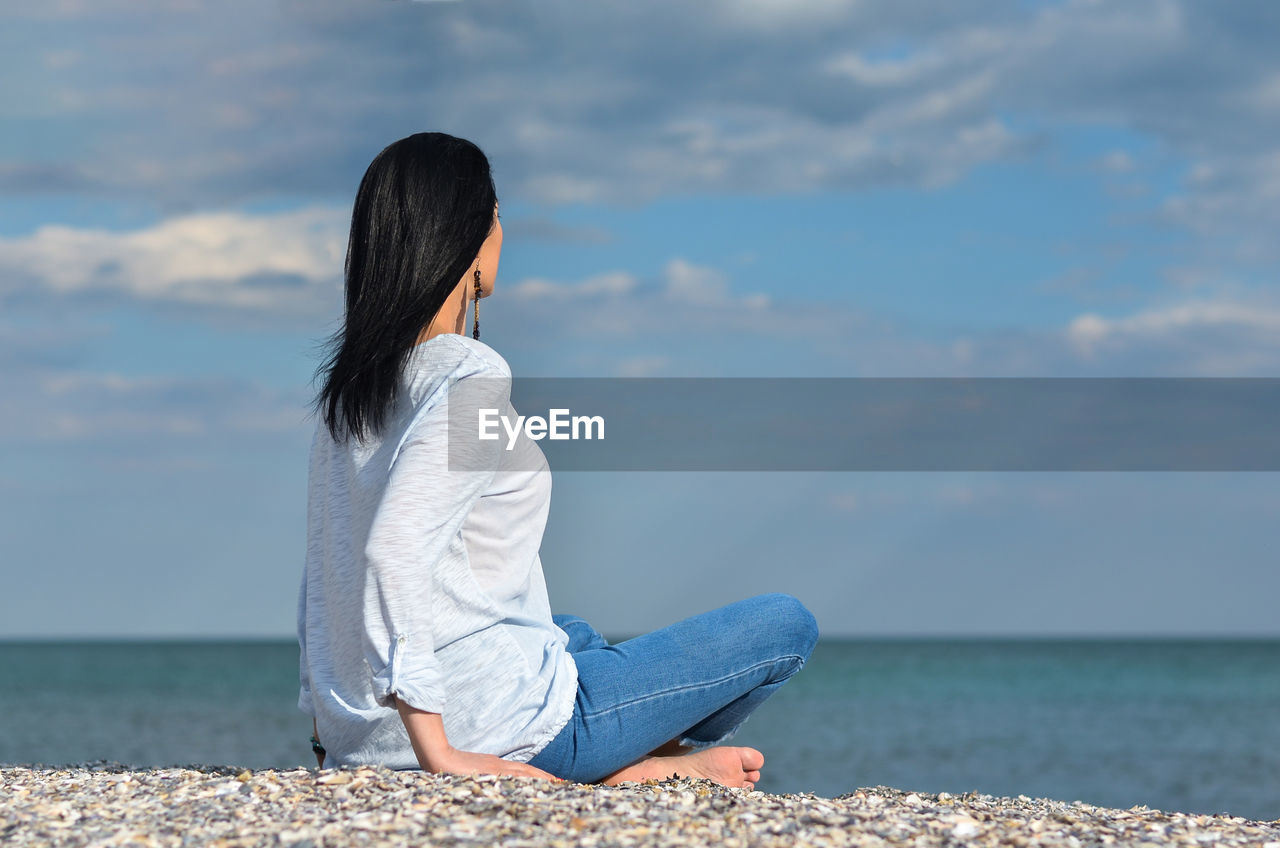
x=426, y=633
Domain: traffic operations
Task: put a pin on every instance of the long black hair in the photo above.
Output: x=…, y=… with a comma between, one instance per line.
x=424, y=208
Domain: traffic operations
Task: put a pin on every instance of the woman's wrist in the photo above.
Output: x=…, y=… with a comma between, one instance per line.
x=439, y=760
x=426, y=735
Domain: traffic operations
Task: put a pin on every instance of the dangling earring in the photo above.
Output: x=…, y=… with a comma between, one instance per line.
x=475, y=332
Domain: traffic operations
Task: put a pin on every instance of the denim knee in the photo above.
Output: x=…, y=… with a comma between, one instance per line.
x=582, y=636
x=793, y=622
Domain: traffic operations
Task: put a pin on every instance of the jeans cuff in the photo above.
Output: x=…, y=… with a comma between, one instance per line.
x=699, y=744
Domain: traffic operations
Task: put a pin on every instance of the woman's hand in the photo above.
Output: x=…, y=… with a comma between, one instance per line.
x=466, y=762
x=436, y=755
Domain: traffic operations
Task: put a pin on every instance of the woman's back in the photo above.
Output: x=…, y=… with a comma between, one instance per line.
x=426, y=583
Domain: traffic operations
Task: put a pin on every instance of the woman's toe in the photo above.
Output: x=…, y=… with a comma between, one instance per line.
x=752, y=759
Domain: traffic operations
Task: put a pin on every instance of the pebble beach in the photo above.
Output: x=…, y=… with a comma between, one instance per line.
x=109, y=804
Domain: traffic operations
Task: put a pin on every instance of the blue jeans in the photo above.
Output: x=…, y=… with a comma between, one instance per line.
x=696, y=680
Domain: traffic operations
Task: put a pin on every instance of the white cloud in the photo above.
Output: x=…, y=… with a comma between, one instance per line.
x=854, y=66
x=1085, y=331
x=619, y=322
x=697, y=325
x=766, y=95
x=270, y=261
x=694, y=283
x=685, y=282
x=682, y=283
x=1089, y=333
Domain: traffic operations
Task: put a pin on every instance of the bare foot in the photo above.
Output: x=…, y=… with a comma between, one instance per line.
x=726, y=765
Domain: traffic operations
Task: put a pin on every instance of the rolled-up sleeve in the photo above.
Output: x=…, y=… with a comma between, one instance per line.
x=434, y=482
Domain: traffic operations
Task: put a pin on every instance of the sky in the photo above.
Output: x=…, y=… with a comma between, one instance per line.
x=764, y=188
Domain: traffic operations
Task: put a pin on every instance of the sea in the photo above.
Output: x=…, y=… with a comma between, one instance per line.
x=1189, y=725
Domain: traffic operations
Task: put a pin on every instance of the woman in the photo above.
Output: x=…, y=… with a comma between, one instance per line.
x=427, y=639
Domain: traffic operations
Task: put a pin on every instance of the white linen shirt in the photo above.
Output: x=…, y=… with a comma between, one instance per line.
x=427, y=583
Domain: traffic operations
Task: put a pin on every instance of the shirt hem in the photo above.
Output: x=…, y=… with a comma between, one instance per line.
x=561, y=721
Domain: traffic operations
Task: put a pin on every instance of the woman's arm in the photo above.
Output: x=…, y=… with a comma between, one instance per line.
x=431, y=488
x=436, y=755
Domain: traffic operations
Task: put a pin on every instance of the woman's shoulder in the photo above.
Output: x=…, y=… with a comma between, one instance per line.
x=451, y=369
x=452, y=353
x=484, y=352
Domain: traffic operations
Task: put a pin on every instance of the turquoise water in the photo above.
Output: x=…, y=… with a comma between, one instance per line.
x=1191, y=726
